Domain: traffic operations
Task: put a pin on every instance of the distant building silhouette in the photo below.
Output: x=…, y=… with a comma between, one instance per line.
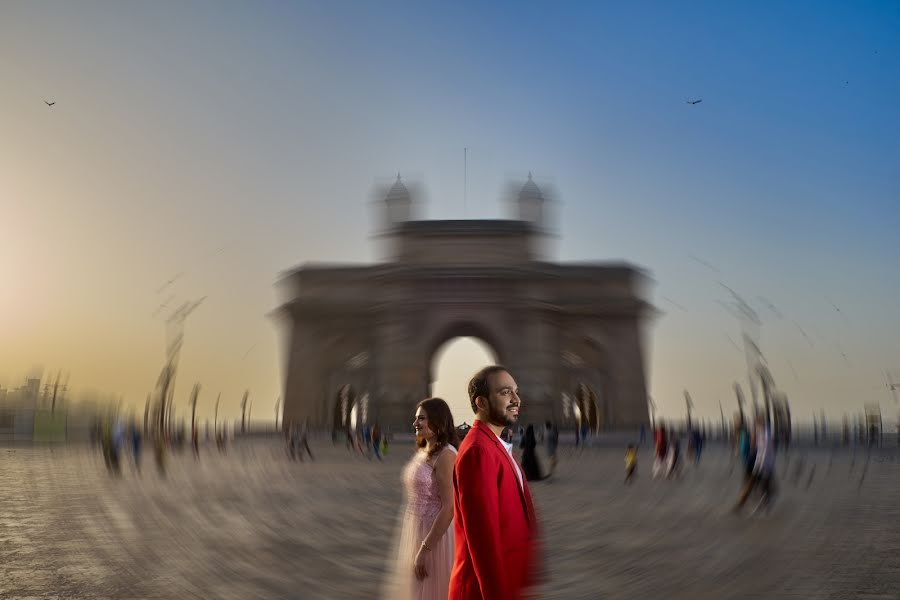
x=566, y=331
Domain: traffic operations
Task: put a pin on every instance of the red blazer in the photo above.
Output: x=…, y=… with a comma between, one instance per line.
x=493, y=522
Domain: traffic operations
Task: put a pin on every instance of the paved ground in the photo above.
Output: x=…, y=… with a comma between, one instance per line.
x=251, y=524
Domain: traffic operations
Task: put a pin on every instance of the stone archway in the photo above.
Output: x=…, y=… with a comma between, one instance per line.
x=446, y=279
x=567, y=410
x=451, y=366
x=587, y=383
x=588, y=409
x=462, y=329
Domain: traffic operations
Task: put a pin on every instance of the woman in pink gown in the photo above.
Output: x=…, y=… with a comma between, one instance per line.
x=425, y=549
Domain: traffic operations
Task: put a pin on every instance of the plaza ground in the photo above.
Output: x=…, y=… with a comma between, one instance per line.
x=252, y=524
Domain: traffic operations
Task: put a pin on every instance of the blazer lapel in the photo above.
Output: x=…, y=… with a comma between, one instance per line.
x=529, y=507
x=524, y=495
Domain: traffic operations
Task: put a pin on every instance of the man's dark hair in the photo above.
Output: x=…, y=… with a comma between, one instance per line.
x=479, y=385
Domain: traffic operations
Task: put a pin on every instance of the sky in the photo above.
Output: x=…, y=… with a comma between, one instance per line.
x=225, y=143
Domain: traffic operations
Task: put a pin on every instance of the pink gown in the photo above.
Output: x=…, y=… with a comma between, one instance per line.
x=423, y=503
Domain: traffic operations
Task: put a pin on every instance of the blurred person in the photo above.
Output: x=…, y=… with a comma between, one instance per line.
x=349, y=435
x=110, y=456
x=113, y=439
x=118, y=436
x=195, y=439
x=552, y=438
x=697, y=438
x=96, y=432
x=762, y=466
x=288, y=432
x=159, y=451
x=530, y=464
x=291, y=440
x=494, y=521
x=136, y=445
x=425, y=552
x=376, y=439
x=177, y=439
x=221, y=440
x=845, y=432
x=303, y=439
x=661, y=448
x=746, y=450
x=630, y=462
x=691, y=445
x=674, y=467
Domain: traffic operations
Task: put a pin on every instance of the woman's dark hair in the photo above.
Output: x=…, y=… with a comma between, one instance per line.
x=440, y=421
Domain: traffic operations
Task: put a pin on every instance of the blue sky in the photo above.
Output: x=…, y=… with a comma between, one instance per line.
x=233, y=141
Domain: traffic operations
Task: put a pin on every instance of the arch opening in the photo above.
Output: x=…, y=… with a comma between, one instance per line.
x=345, y=411
x=354, y=416
x=587, y=409
x=452, y=365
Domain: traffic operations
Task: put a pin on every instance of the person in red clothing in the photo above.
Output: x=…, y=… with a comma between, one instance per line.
x=662, y=448
x=495, y=529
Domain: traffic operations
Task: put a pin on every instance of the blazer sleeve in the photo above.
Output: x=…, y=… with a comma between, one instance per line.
x=476, y=483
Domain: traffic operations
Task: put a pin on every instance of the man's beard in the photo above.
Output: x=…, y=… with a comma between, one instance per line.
x=500, y=417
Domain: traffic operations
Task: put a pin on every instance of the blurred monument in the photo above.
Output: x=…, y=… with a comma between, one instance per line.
x=371, y=331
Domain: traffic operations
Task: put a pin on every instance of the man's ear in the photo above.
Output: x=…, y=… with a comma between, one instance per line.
x=480, y=402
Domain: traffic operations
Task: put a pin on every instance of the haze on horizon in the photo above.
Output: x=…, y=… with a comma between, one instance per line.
x=218, y=145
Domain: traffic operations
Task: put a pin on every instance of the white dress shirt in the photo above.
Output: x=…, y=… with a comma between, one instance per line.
x=509, y=448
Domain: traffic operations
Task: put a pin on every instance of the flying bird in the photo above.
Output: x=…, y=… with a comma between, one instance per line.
x=693, y=102
x=834, y=306
x=844, y=354
x=891, y=385
x=49, y=103
x=169, y=282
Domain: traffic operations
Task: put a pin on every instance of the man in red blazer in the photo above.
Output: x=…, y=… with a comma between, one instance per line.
x=494, y=523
